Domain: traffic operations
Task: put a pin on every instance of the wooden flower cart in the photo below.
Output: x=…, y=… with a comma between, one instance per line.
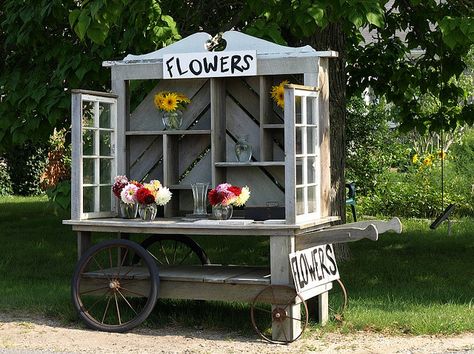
x=117, y=282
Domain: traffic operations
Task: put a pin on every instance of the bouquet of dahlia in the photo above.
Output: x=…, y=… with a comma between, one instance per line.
x=153, y=192
x=226, y=194
x=131, y=192
x=126, y=190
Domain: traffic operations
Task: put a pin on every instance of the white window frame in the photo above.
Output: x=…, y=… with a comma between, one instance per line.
x=77, y=183
x=304, y=92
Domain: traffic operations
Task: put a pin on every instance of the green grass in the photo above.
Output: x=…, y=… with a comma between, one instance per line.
x=420, y=282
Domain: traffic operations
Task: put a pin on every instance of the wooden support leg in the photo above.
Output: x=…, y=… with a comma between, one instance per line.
x=318, y=308
x=84, y=241
x=280, y=248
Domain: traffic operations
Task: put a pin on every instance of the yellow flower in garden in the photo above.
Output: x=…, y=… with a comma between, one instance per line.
x=415, y=158
x=441, y=154
x=278, y=94
x=159, y=98
x=170, y=102
x=427, y=161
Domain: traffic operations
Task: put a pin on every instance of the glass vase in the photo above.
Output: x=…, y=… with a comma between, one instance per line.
x=147, y=212
x=128, y=210
x=200, y=195
x=222, y=212
x=172, y=120
x=243, y=150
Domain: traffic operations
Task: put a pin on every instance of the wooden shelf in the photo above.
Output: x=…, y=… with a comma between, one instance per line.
x=168, y=132
x=250, y=164
x=273, y=126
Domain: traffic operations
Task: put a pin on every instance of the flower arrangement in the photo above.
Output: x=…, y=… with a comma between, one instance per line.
x=278, y=93
x=226, y=194
x=168, y=101
x=131, y=192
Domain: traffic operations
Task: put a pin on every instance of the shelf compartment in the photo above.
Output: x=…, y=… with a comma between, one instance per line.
x=273, y=126
x=250, y=164
x=168, y=132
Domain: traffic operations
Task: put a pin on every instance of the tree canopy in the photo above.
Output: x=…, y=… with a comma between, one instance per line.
x=51, y=46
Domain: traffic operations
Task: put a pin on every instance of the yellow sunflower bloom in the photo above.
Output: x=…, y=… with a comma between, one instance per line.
x=427, y=161
x=170, y=102
x=415, y=158
x=278, y=93
x=183, y=98
x=158, y=100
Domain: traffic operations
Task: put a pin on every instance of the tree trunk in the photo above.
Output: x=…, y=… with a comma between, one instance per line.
x=333, y=38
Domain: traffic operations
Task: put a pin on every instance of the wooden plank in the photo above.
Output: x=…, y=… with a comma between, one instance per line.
x=201, y=172
x=189, y=149
x=218, y=127
x=251, y=164
x=290, y=159
x=146, y=152
x=382, y=226
x=245, y=96
x=84, y=242
x=266, y=150
x=280, y=248
x=147, y=117
x=277, y=172
x=129, y=273
x=120, y=88
x=76, y=157
x=95, y=93
x=209, y=291
x=239, y=123
x=168, y=132
x=336, y=235
x=324, y=136
x=257, y=276
x=170, y=171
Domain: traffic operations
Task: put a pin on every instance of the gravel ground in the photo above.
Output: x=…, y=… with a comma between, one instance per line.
x=22, y=334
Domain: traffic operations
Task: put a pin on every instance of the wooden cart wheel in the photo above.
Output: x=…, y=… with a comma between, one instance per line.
x=109, y=292
x=338, y=301
x=174, y=250
x=267, y=318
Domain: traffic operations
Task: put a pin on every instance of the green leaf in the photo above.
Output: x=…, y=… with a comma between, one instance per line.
x=356, y=19
x=97, y=33
x=375, y=18
x=82, y=25
x=73, y=15
x=317, y=14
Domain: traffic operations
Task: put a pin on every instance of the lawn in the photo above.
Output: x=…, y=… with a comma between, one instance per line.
x=421, y=281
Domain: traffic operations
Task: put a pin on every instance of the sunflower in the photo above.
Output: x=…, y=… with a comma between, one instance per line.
x=170, y=102
x=182, y=98
x=278, y=94
x=159, y=98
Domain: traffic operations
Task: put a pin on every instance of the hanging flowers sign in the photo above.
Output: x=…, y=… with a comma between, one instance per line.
x=210, y=64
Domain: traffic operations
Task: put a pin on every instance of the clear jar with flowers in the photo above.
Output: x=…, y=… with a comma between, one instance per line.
x=149, y=197
x=224, y=197
x=172, y=104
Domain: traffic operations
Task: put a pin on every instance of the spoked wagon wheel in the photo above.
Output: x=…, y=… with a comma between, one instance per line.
x=174, y=250
x=338, y=301
x=272, y=321
x=109, y=292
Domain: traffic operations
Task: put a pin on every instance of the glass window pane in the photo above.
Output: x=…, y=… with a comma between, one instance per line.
x=104, y=115
x=299, y=140
x=87, y=114
x=312, y=166
x=299, y=171
x=105, y=198
x=88, y=171
x=311, y=107
x=105, y=143
x=297, y=109
x=88, y=197
x=105, y=171
x=88, y=143
x=311, y=140
x=299, y=201
x=312, y=203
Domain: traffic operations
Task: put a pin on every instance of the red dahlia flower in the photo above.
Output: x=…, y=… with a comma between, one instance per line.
x=145, y=196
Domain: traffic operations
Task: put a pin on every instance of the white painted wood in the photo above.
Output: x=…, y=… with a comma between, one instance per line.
x=336, y=235
x=382, y=226
x=76, y=156
x=250, y=164
x=280, y=248
x=290, y=160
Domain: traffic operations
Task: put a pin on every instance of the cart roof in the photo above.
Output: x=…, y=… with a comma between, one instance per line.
x=236, y=41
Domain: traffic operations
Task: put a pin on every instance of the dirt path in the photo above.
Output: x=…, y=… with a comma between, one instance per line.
x=27, y=335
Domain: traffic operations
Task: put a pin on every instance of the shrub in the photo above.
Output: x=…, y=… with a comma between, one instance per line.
x=5, y=181
x=25, y=165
